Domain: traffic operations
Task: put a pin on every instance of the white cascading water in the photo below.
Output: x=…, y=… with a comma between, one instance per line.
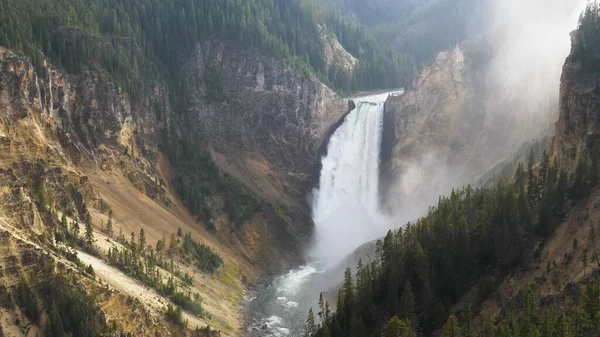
x=345, y=207
x=346, y=214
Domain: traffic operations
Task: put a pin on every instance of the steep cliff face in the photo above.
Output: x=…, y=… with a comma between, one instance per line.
x=578, y=125
x=455, y=122
x=263, y=121
x=435, y=112
x=437, y=124
x=55, y=126
x=576, y=136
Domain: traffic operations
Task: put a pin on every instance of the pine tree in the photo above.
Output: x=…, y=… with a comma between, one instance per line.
x=489, y=326
x=451, y=328
x=310, y=327
x=75, y=229
x=321, y=312
x=121, y=237
x=63, y=221
x=407, y=299
x=133, y=244
x=172, y=246
x=528, y=317
x=55, y=322
x=142, y=241
x=109, y=225
x=547, y=321
x=397, y=328
x=348, y=289
x=520, y=175
x=466, y=320
x=592, y=299
x=393, y=328
x=89, y=232
x=160, y=245
x=580, y=320
x=562, y=327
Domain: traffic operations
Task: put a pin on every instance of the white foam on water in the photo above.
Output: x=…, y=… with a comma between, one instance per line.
x=284, y=331
x=290, y=284
x=274, y=320
x=291, y=304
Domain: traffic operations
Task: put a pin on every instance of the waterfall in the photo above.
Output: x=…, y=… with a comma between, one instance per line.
x=345, y=210
x=346, y=205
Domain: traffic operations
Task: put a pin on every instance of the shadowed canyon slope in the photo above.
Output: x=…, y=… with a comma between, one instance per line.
x=263, y=122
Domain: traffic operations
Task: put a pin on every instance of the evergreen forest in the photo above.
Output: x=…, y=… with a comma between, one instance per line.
x=138, y=40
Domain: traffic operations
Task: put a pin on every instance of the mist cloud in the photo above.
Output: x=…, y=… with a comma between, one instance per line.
x=530, y=41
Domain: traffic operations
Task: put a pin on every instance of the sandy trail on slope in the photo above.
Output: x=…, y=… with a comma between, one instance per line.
x=129, y=286
x=222, y=292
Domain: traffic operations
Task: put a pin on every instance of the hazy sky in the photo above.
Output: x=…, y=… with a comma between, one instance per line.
x=532, y=42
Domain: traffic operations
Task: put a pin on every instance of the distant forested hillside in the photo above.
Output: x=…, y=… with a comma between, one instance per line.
x=419, y=28
x=139, y=39
x=375, y=12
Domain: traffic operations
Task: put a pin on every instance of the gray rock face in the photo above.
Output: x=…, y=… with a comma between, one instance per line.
x=86, y=110
x=578, y=125
x=434, y=114
x=263, y=121
x=454, y=123
x=435, y=134
x=83, y=120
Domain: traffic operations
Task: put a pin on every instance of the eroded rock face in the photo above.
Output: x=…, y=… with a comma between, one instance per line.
x=436, y=128
x=264, y=122
x=54, y=126
x=89, y=109
x=454, y=123
x=578, y=125
x=434, y=114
